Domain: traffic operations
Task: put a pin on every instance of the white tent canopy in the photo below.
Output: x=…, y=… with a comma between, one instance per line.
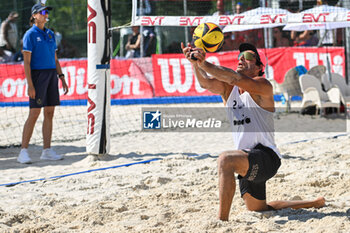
x=275, y=14
x=321, y=25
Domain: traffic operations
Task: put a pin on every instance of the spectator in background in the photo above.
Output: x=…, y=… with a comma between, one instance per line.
x=238, y=37
x=327, y=37
x=150, y=41
x=305, y=38
x=279, y=40
x=133, y=44
x=220, y=8
x=146, y=9
x=18, y=56
x=255, y=36
x=9, y=33
x=238, y=8
x=5, y=56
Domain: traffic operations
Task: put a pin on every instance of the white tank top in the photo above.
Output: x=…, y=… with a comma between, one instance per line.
x=250, y=123
x=12, y=34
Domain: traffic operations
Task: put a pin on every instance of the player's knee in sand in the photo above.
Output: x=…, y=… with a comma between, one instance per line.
x=256, y=159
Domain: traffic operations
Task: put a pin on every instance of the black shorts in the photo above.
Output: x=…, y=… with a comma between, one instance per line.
x=263, y=164
x=46, y=88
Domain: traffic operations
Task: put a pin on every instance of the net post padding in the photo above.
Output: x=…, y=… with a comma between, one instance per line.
x=98, y=134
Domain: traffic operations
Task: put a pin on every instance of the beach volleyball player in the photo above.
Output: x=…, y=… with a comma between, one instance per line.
x=246, y=94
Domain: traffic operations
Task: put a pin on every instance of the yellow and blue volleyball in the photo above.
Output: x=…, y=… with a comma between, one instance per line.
x=208, y=36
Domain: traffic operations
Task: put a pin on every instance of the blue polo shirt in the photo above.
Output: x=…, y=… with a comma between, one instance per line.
x=43, y=47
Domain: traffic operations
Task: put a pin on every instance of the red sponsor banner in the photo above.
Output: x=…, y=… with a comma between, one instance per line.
x=173, y=75
x=76, y=77
x=167, y=74
x=13, y=86
x=128, y=80
x=280, y=60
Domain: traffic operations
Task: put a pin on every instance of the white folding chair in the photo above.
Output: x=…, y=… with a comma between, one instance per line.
x=314, y=95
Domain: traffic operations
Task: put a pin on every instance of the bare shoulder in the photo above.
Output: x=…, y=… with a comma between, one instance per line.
x=264, y=99
x=265, y=85
x=227, y=92
x=263, y=80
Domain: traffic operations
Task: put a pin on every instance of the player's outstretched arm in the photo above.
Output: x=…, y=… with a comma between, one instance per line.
x=209, y=83
x=257, y=85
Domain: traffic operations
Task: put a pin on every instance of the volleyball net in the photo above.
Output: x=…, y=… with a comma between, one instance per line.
x=163, y=75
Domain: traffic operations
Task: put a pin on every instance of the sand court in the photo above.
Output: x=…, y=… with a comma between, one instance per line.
x=178, y=193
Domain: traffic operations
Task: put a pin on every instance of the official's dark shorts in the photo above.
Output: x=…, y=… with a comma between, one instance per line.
x=46, y=88
x=263, y=164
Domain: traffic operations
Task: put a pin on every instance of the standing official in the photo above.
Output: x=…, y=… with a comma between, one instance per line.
x=42, y=70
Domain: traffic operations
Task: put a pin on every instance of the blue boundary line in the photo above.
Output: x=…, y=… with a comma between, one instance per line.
x=140, y=162
x=78, y=173
x=313, y=139
x=169, y=100
x=155, y=100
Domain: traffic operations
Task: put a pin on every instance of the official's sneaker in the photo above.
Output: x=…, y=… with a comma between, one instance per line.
x=23, y=156
x=50, y=154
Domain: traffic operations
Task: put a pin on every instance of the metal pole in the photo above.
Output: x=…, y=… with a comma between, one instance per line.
x=185, y=28
x=233, y=7
x=134, y=11
x=266, y=44
x=159, y=40
x=265, y=31
x=141, y=31
x=270, y=36
x=121, y=43
x=347, y=47
x=111, y=44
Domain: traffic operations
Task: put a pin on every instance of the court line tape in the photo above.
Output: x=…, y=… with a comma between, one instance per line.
x=313, y=139
x=78, y=173
x=142, y=162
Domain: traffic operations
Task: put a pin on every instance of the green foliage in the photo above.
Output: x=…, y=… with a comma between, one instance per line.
x=121, y=12
x=68, y=16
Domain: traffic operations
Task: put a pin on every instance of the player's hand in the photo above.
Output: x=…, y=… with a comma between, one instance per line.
x=65, y=86
x=186, y=50
x=192, y=54
x=31, y=92
x=199, y=54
